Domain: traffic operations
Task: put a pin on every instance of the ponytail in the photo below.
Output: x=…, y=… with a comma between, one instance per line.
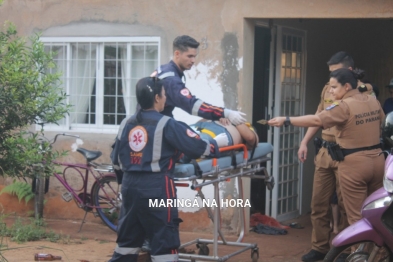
x=139, y=116
x=146, y=90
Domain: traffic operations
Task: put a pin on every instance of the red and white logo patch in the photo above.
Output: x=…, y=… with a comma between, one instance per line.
x=137, y=138
x=185, y=92
x=190, y=133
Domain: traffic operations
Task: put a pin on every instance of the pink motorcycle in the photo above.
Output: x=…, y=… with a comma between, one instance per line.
x=370, y=238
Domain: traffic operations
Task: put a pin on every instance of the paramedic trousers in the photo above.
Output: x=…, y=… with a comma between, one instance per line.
x=325, y=183
x=360, y=174
x=139, y=218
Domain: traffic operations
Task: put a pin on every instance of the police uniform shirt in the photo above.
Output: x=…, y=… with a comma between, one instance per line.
x=357, y=117
x=326, y=100
x=178, y=95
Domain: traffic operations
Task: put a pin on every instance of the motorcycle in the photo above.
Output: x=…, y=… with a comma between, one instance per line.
x=370, y=238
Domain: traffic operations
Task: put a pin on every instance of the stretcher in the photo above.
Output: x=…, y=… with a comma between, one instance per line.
x=238, y=164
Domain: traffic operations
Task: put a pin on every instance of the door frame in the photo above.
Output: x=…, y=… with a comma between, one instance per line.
x=274, y=110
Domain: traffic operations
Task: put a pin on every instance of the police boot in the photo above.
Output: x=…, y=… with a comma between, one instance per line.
x=313, y=256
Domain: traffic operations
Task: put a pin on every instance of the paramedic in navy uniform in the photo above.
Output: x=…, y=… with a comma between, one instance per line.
x=185, y=49
x=148, y=147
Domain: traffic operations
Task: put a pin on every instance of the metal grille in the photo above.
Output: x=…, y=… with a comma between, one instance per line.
x=288, y=98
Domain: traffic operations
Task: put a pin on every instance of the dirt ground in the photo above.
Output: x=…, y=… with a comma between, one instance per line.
x=95, y=243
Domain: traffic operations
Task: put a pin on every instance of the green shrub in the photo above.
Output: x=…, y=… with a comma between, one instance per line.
x=33, y=230
x=21, y=189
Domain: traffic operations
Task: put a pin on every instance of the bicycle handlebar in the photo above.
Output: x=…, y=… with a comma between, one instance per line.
x=63, y=134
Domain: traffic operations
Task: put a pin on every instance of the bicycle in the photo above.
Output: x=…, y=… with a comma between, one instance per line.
x=104, y=196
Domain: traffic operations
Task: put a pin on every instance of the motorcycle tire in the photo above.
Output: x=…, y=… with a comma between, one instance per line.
x=343, y=253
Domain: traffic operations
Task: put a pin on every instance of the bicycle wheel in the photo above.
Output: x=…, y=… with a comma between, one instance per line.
x=107, y=199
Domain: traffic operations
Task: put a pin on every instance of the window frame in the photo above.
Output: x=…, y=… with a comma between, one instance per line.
x=99, y=126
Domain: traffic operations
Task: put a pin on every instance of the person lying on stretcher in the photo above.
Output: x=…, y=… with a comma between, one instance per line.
x=225, y=134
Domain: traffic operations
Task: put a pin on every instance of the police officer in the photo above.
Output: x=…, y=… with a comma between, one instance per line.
x=184, y=52
x=357, y=118
x=147, y=147
x=325, y=174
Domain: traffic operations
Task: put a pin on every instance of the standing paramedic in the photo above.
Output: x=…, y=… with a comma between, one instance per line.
x=325, y=174
x=358, y=119
x=185, y=49
x=147, y=147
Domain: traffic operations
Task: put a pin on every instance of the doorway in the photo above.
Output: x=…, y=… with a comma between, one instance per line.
x=371, y=51
x=260, y=110
x=279, y=74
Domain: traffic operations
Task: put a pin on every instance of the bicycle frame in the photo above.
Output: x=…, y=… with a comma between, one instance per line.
x=104, y=196
x=83, y=201
x=85, y=177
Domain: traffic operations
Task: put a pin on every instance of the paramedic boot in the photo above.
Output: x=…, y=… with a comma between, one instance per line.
x=313, y=255
x=146, y=246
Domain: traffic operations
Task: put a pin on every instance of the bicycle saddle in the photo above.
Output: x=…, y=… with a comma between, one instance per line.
x=89, y=154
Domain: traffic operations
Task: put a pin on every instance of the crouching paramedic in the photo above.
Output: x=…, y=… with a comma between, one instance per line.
x=147, y=147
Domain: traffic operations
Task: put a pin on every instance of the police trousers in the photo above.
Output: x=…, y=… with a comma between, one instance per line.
x=141, y=216
x=325, y=183
x=360, y=174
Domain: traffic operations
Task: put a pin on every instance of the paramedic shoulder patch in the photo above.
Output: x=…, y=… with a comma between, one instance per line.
x=333, y=105
x=185, y=92
x=137, y=138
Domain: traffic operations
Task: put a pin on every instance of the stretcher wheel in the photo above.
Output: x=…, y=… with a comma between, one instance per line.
x=255, y=255
x=203, y=249
x=269, y=182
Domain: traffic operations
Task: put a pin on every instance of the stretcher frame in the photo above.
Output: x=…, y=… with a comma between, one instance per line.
x=247, y=168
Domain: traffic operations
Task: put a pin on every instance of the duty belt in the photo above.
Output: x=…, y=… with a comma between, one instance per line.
x=351, y=151
x=326, y=144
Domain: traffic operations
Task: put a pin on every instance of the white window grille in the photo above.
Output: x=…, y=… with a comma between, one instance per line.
x=99, y=76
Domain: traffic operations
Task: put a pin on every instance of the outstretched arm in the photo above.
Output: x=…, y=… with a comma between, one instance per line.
x=180, y=96
x=302, y=121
